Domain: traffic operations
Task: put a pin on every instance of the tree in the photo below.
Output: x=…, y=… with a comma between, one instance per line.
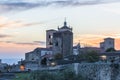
x=110, y=50
x=89, y=56
x=58, y=56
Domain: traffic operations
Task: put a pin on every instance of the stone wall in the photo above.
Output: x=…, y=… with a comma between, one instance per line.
x=99, y=71
x=63, y=42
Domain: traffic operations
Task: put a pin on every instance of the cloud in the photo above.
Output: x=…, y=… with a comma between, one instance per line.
x=26, y=43
x=4, y=36
x=8, y=41
x=36, y=43
x=17, y=23
x=74, y=2
x=92, y=39
x=31, y=24
x=6, y=7
x=18, y=5
x=113, y=8
x=40, y=42
x=95, y=39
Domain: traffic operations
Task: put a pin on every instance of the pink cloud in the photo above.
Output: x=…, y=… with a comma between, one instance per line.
x=18, y=24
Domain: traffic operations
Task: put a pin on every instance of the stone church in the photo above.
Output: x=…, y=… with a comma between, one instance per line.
x=61, y=40
x=57, y=41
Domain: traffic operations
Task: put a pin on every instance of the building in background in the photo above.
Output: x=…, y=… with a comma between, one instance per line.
x=108, y=43
x=3, y=66
x=76, y=49
x=36, y=55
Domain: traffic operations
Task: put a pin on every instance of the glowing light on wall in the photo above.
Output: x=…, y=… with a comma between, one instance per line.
x=22, y=67
x=103, y=57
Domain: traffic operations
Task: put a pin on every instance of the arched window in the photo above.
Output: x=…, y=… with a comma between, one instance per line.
x=44, y=61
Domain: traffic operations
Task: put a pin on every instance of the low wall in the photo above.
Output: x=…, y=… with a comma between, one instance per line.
x=99, y=71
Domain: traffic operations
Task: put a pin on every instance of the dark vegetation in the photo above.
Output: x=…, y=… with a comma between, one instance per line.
x=46, y=75
x=110, y=50
x=58, y=75
x=90, y=56
x=58, y=56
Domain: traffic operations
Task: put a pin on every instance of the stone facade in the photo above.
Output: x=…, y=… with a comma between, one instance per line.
x=33, y=55
x=63, y=40
x=31, y=65
x=49, y=38
x=57, y=41
x=36, y=55
x=99, y=71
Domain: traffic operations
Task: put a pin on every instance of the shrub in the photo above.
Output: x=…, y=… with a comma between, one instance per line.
x=58, y=75
x=90, y=56
x=58, y=56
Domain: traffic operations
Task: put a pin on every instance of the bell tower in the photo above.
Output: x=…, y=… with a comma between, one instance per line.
x=49, y=38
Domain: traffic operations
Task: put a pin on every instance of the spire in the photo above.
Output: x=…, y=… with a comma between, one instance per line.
x=65, y=27
x=65, y=23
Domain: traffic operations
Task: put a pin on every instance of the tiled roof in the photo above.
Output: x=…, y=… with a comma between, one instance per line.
x=48, y=49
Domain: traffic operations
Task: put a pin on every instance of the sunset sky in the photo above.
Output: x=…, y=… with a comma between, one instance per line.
x=23, y=23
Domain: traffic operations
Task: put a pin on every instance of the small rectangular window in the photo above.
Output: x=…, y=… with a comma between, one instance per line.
x=56, y=44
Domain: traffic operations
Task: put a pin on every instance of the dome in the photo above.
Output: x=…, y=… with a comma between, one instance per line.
x=65, y=27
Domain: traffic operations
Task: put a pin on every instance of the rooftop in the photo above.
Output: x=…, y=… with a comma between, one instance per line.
x=65, y=27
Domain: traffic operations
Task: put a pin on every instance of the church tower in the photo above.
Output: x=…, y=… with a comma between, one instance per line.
x=49, y=38
x=63, y=40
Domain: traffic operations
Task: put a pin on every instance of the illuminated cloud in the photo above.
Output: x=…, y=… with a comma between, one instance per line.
x=6, y=22
x=92, y=39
